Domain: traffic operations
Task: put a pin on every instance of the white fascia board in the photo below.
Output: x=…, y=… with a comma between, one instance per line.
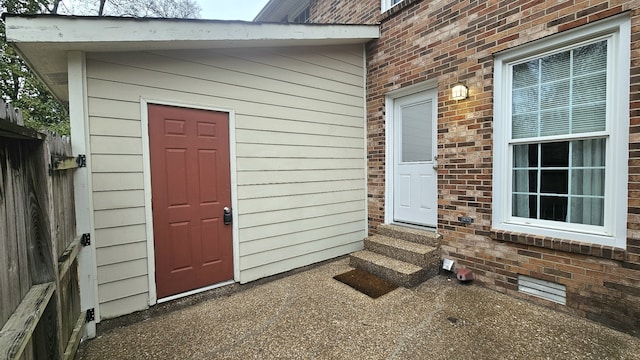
x=170, y=33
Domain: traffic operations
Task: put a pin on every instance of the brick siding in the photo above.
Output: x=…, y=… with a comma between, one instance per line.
x=452, y=41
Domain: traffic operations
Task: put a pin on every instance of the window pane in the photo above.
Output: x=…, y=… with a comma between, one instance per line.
x=555, y=154
x=416, y=132
x=588, y=153
x=525, y=100
x=525, y=181
x=588, y=211
x=553, y=208
x=587, y=182
x=525, y=74
x=589, y=89
x=524, y=206
x=554, y=95
x=525, y=156
x=554, y=182
x=556, y=67
x=563, y=93
x=525, y=126
x=554, y=122
x=589, y=118
x=590, y=58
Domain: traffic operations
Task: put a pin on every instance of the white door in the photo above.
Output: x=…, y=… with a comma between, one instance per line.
x=415, y=178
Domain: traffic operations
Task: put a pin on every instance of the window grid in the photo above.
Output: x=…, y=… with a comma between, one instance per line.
x=570, y=186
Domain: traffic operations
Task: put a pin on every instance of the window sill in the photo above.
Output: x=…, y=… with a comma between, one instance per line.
x=570, y=246
x=397, y=9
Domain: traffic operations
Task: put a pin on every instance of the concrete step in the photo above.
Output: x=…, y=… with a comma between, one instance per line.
x=413, y=253
x=398, y=272
x=410, y=234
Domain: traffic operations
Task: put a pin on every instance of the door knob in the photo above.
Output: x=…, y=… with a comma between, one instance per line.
x=228, y=218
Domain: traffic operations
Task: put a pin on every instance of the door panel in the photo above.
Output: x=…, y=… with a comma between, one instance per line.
x=415, y=198
x=190, y=178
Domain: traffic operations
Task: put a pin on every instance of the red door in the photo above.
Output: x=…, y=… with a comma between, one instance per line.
x=190, y=180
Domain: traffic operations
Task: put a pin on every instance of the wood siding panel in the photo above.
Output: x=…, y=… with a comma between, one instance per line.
x=297, y=201
x=300, y=155
x=281, y=254
x=160, y=80
x=118, y=217
x=313, y=235
x=118, y=181
x=283, y=138
x=120, y=235
x=297, y=226
x=276, y=190
x=115, y=127
x=124, y=306
x=259, y=164
x=258, y=272
x=122, y=271
x=123, y=289
x=116, y=145
x=116, y=163
x=290, y=176
x=109, y=200
x=129, y=94
x=121, y=254
x=299, y=126
x=286, y=215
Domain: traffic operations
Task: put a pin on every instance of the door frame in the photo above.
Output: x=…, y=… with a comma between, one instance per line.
x=146, y=159
x=390, y=142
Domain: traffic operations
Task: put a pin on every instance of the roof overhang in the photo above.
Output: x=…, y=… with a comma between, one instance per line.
x=43, y=41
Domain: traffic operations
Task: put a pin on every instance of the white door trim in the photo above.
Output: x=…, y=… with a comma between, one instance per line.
x=146, y=159
x=390, y=98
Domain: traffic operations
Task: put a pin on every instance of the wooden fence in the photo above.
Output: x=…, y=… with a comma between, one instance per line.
x=40, y=315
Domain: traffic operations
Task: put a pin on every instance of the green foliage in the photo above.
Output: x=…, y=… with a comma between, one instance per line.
x=19, y=86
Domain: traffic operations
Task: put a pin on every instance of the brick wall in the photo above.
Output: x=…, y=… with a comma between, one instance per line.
x=454, y=41
x=345, y=12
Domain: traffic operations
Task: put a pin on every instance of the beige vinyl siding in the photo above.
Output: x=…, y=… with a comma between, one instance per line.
x=300, y=156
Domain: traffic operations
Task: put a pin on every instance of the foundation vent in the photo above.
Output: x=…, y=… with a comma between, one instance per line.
x=543, y=289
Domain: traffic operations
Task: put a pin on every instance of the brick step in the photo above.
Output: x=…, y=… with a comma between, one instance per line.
x=418, y=236
x=411, y=252
x=398, y=272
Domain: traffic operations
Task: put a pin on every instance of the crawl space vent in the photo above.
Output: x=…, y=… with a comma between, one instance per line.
x=543, y=289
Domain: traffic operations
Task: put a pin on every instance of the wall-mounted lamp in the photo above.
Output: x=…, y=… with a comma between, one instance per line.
x=459, y=92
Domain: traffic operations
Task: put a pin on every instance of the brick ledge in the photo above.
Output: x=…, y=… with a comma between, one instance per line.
x=570, y=246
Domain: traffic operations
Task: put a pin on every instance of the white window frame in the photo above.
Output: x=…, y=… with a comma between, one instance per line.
x=301, y=7
x=617, y=31
x=388, y=4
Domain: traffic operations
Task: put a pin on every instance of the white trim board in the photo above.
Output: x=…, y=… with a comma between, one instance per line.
x=146, y=160
x=78, y=114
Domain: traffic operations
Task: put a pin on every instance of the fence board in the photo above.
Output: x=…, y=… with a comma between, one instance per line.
x=38, y=246
x=14, y=273
x=15, y=334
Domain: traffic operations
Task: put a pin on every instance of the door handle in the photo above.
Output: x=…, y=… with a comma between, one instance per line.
x=435, y=162
x=228, y=217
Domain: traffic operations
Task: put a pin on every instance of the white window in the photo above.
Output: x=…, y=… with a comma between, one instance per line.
x=561, y=135
x=303, y=16
x=388, y=4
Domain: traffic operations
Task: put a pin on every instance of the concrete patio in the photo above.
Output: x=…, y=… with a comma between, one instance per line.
x=309, y=315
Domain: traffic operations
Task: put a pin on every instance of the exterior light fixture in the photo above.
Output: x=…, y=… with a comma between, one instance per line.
x=459, y=92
